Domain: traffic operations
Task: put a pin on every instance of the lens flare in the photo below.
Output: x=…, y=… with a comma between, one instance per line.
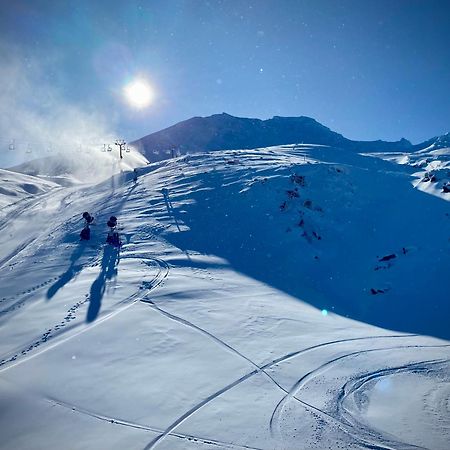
x=138, y=93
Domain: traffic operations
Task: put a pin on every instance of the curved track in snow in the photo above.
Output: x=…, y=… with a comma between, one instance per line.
x=346, y=416
x=359, y=435
x=343, y=418
x=62, y=331
x=352, y=400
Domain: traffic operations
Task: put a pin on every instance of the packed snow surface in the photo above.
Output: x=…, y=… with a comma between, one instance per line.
x=285, y=298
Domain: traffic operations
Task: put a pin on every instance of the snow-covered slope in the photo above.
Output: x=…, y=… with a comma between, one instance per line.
x=15, y=187
x=274, y=299
x=430, y=166
x=342, y=231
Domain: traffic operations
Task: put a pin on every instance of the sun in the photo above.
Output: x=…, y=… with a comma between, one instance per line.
x=138, y=93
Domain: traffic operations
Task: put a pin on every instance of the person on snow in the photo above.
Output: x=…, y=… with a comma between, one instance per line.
x=135, y=175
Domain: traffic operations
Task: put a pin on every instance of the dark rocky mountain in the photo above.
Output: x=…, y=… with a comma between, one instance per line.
x=226, y=132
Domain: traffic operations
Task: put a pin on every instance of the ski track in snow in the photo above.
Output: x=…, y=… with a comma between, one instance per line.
x=163, y=272
x=117, y=421
x=19, y=207
x=16, y=251
x=370, y=440
x=27, y=293
x=342, y=418
x=344, y=421
x=61, y=328
x=18, y=211
x=356, y=430
x=354, y=385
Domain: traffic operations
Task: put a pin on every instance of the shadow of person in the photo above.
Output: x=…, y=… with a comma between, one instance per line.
x=70, y=273
x=108, y=270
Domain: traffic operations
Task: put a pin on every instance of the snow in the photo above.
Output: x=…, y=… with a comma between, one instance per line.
x=16, y=187
x=207, y=329
x=430, y=167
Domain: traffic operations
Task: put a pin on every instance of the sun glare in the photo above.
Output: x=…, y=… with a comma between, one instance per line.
x=138, y=93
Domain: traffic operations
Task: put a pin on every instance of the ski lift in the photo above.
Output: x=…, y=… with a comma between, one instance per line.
x=12, y=145
x=29, y=149
x=128, y=150
x=109, y=148
x=104, y=148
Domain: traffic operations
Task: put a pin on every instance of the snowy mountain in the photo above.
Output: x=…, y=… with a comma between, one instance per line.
x=16, y=187
x=226, y=132
x=279, y=298
x=430, y=164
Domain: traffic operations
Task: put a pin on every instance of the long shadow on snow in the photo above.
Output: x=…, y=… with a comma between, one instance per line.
x=108, y=270
x=74, y=269
x=232, y=226
x=70, y=273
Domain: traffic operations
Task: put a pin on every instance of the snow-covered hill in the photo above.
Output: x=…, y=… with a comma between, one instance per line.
x=15, y=187
x=430, y=166
x=286, y=298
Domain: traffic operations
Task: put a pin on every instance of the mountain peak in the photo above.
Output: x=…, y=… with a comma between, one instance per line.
x=227, y=132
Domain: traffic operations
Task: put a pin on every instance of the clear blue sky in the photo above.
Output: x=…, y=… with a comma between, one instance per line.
x=368, y=69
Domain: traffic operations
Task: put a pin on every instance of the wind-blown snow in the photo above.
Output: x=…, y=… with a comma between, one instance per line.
x=283, y=298
x=89, y=166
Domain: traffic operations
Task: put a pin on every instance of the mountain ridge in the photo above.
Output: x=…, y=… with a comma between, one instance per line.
x=227, y=132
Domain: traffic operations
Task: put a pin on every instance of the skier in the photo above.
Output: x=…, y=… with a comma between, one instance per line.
x=135, y=175
x=113, y=235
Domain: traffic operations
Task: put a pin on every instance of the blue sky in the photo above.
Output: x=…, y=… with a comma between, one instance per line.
x=367, y=69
